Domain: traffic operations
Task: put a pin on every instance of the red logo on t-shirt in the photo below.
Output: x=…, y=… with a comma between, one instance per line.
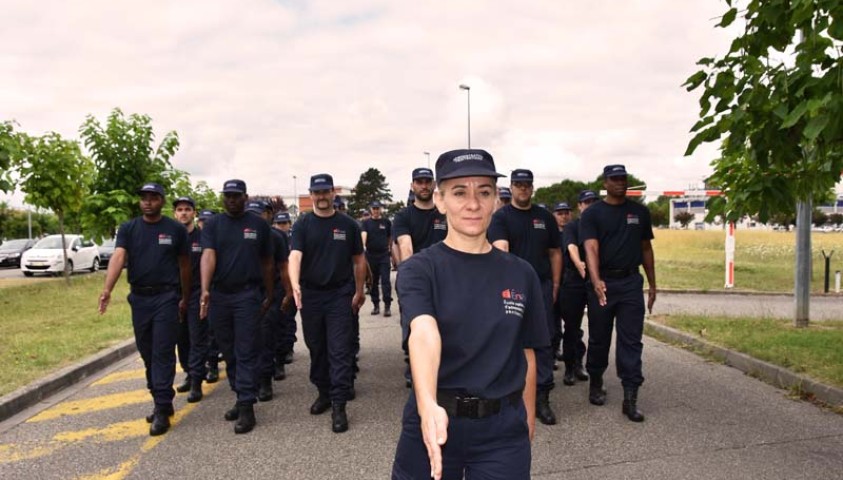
x=250, y=234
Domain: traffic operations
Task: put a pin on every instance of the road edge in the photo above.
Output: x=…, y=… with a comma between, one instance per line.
x=773, y=374
x=25, y=397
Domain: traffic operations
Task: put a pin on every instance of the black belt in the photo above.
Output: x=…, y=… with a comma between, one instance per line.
x=223, y=288
x=327, y=286
x=617, y=272
x=151, y=289
x=458, y=404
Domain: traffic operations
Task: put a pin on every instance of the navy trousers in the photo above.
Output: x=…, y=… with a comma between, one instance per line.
x=236, y=321
x=381, y=268
x=198, y=333
x=327, y=322
x=625, y=307
x=183, y=347
x=155, y=319
x=492, y=448
x=270, y=331
x=573, y=298
x=286, y=338
x=545, y=355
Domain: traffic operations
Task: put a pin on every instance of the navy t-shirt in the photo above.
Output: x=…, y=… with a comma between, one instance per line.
x=571, y=237
x=327, y=245
x=153, y=250
x=378, y=233
x=530, y=233
x=488, y=307
x=425, y=227
x=619, y=230
x=240, y=244
x=194, y=240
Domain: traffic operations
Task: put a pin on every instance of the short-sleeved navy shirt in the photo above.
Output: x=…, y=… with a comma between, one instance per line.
x=194, y=240
x=425, y=227
x=570, y=236
x=240, y=243
x=378, y=233
x=153, y=250
x=619, y=231
x=488, y=307
x=281, y=253
x=530, y=233
x=327, y=245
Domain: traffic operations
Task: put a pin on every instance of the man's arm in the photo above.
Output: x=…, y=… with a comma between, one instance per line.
x=425, y=347
x=364, y=235
x=592, y=259
x=530, y=391
x=501, y=245
x=285, y=284
x=405, y=247
x=207, y=267
x=574, y=253
x=186, y=279
x=294, y=269
x=115, y=267
x=268, y=269
x=649, y=263
x=361, y=268
x=555, y=269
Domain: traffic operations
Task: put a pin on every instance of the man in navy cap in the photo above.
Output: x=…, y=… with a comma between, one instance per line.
x=529, y=231
x=327, y=272
x=156, y=248
x=562, y=214
x=573, y=295
x=617, y=234
x=237, y=288
x=193, y=334
x=213, y=358
x=377, y=240
x=204, y=216
x=419, y=225
x=504, y=197
x=286, y=339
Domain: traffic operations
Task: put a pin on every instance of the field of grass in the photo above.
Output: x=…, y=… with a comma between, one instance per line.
x=764, y=261
x=814, y=351
x=48, y=325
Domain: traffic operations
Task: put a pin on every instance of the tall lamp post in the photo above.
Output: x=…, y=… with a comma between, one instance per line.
x=468, y=91
x=428, y=158
x=296, y=194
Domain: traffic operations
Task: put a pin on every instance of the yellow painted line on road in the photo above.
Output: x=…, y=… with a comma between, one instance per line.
x=16, y=453
x=96, y=404
x=121, y=377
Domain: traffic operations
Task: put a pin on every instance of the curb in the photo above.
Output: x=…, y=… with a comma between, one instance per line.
x=29, y=395
x=773, y=374
x=747, y=293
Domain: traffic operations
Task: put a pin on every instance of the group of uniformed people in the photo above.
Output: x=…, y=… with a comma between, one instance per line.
x=491, y=288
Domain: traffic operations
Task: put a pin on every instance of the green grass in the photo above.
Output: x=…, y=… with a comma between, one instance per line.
x=764, y=261
x=48, y=325
x=814, y=351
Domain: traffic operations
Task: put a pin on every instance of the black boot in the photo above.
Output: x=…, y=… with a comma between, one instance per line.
x=265, y=390
x=185, y=385
x=280, y=372
x=596, y=391
x=543, y=410
x=288, y=358
x=213, y=373
x=166, y=409
x=246, y=419
x=160, y=423
x=630, y=407
x=339, y=419
x=320, y=405
x=233, y=413
x=570, y=377
x=195, y=394
x=376, y=310
x=579, y=372
x=387, y=312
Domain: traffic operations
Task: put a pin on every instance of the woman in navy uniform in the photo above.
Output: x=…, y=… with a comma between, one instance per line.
x=472, y=316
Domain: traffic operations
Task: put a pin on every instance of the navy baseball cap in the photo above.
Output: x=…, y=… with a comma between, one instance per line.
x=587, y=195
x=258, y=206
x=206, y=214
x=614, y=171
x=282, y=217
x=234, y=186
x=521, y=175
x=186, y=200
x=321, y=181
x=376, y=204
x=151, y=188
x=338, y=202
x=504, y=192
x=465, y=163
x=422, y=173
x=366, y=213
x=411, y=197
x=561, y=206
x=542, y=205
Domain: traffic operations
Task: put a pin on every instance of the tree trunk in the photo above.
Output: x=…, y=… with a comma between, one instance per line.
x=64, y=247
x=802, y=288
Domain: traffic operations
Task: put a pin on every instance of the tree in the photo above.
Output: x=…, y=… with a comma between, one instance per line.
x=9, y=149
x=565, y=191
x=125, y=157
x=819, y=218
x=394, y=208
x=660, y=211
x=55, y=175
x=370, y=187
x=835, y=219
x=684, y=218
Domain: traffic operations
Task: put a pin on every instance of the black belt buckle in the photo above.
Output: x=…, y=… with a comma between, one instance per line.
x=468, y=406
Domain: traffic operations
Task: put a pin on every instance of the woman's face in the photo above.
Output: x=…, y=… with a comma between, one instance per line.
x=468, y=203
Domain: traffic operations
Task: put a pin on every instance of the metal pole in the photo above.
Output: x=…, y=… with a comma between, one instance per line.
x=296, y=194
x=802, y=288
x=428, y=158
x=827, y=270
x=29, y=221
x=837, y=281
x=467, y=88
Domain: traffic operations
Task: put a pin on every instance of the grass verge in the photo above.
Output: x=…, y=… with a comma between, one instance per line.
x=49, y=325
x=814, y=351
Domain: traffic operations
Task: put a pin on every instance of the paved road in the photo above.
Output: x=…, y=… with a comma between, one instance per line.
x=737, y=305
x=704, y=421
x=10, y=272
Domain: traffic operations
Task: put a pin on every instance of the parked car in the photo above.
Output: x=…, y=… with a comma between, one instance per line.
x=11, y=251
x=106, y=251
x=46, y=256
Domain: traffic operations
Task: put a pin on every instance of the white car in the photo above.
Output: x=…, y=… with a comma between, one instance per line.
x=46, y=256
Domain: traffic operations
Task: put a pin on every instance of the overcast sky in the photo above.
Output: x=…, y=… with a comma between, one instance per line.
x=264, y=90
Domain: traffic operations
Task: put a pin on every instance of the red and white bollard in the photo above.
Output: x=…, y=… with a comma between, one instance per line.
x=730, y=255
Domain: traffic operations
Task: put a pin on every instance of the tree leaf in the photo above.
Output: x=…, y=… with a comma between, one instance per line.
x=728, y=18
x=815, y=127
x=795, y=115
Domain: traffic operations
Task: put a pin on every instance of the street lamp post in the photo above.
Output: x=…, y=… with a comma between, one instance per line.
x=296, y=193
x=428, y=158
x=468, y=91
